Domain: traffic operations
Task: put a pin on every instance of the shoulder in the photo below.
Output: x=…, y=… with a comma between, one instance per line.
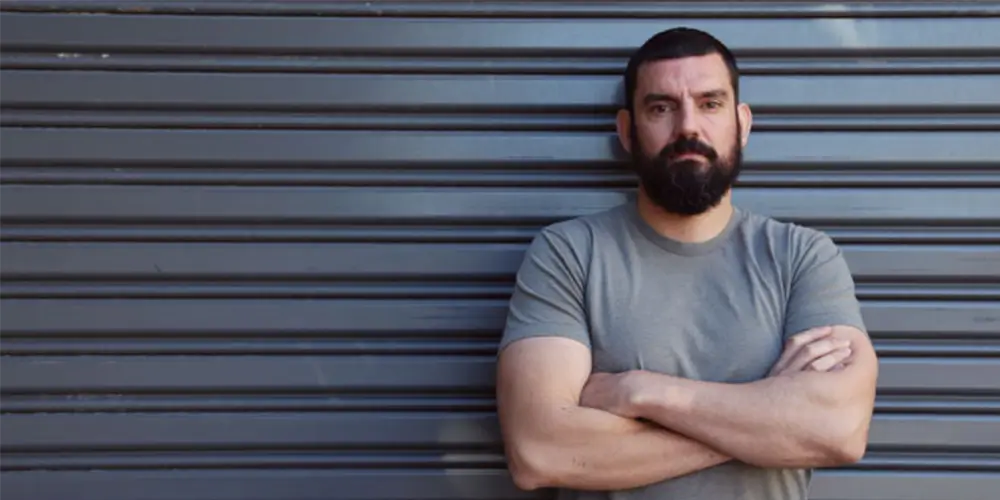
x=797, y=238
x=794, y=243
x=810, y=247
x=579, y=234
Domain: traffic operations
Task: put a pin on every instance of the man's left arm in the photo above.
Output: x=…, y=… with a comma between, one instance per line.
x=803, y=418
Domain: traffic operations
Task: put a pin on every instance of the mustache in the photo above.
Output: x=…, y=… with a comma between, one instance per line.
x=687, y=145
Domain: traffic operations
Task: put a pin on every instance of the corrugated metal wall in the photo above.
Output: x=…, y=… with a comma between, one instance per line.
x=257, y=250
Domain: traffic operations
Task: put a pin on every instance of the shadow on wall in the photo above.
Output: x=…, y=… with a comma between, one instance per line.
x=466, y=482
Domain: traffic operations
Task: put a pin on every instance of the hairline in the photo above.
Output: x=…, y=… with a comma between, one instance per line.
x=649, y=53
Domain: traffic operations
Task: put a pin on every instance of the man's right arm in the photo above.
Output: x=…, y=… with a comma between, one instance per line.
x=551, y=441
x=544, y=363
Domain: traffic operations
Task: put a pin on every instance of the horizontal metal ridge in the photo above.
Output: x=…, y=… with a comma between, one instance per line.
x=357, y=120
x=930, y=348
x=756, y=175
x=210, y=60
x=429, y=459
x=408, y=318
x=916, y=461
x=512, y=231
x=326, y=459
x=441, y=318
x=301, y=35
x=234, y=431
x=506, y=93
x=942, y=346
x=385, y=373
x=346, y=344
x=400, y=288
x=500, y=9
x=291, y=401
x=447, y=484
x=930, y=120
x=222, y=148
x=935, y=404
x=426, y=261
x=395, y=205
x=304, y=484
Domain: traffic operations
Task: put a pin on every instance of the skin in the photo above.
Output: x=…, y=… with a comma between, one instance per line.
x=796, y=418
x=551, y=440
x=564, y=426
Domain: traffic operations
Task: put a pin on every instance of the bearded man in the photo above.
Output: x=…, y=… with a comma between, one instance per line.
x=679, y=346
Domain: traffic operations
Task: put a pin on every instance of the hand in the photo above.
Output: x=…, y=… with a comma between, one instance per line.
x=815, y=349
x=616, y=393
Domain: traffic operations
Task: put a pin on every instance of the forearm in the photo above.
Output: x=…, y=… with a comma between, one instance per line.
x=789, y=421
x=583, y=448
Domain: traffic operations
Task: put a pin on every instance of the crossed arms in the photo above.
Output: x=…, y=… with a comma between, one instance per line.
x=566, y=427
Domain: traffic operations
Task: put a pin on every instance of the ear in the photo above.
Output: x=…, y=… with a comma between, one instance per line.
x=624, y=125
x=746, y=122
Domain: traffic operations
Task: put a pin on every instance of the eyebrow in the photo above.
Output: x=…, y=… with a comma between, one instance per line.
x=654, y=97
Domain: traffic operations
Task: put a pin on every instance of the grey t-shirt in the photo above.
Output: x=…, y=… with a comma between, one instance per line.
x=718, y=311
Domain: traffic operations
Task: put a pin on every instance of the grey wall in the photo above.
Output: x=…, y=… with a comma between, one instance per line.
x=262, y=251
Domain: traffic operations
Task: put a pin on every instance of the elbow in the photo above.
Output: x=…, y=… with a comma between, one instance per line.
x=526, y=477
x=854, y=452
x=845, y=448
x=847, y=451
x=850, y=450
x=527, y=480
x=530, y=467
x=841, y=436
x=844, y=453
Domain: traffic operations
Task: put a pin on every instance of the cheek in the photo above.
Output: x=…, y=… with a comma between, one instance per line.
x=723, y=142
x=653, y=138
x=722, y=134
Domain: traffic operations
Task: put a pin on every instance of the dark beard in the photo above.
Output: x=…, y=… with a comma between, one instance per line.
x=687, y=187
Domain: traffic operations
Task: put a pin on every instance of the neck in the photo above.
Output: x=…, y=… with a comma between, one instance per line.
x=686, y=228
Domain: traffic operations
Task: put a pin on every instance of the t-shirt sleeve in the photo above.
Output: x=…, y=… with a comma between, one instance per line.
x=548, y=296
x=822, y=289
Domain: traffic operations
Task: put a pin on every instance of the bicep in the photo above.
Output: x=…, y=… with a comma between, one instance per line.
x=548, y=295
x=822, y=290
x=537, y=378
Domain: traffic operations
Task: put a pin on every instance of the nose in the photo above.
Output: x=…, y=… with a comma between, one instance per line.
x=687, y=126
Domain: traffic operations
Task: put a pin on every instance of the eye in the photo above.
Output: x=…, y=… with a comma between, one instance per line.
x=712, y=104
x=658, y=109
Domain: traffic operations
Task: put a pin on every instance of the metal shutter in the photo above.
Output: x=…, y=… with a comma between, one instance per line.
x=260, y=250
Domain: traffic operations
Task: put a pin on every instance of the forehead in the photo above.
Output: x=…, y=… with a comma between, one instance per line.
x=687, y=74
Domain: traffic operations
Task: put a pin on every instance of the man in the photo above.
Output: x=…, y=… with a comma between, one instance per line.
x=677, y=346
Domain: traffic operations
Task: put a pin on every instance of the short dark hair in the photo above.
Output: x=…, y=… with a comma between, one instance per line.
x=676, y=43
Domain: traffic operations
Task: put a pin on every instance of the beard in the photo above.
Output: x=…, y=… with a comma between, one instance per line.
x=689, y=186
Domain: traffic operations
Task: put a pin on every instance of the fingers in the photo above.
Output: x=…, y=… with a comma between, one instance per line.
x=816, y=351
x=831, y=361
x=795, y=343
